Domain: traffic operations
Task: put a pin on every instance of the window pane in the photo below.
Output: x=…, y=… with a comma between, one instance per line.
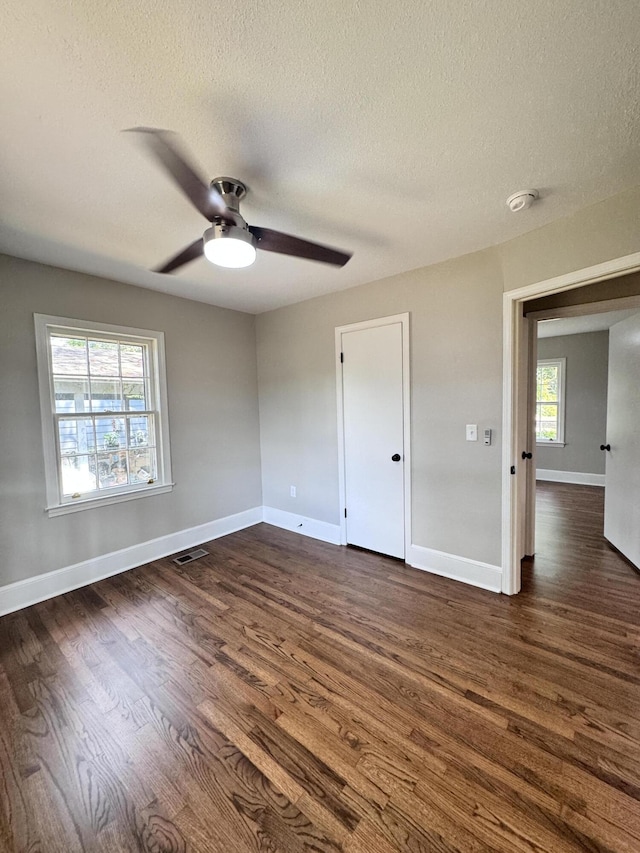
x=78, y=475
x=72, y=395
x=106, y=395
x=132, y=360
x=135, y=398
x=546, y=422
x=76, y=436
x=110, y=433
x=141, y=432
x=547, y=383
x=102, y=429
x=547, y=433
x=69, y=355
x=112, y=469
x=103, y=358
x=142, y=465
x=549, y=412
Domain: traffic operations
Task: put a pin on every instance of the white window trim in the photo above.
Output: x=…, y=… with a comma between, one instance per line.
x=163, y=483
x=562, y=364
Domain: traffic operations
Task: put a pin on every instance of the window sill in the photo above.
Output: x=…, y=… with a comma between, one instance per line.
x=92, y=503
x=550, y=443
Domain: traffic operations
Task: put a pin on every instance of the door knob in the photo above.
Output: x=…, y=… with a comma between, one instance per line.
x=526, y=455
x=396, y=457
x=605, y=447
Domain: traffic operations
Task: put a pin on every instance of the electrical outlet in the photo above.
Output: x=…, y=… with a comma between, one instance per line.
x=293, y=491
x=472, y=432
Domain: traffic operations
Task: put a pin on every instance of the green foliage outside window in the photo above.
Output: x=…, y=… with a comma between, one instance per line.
x=547, y=400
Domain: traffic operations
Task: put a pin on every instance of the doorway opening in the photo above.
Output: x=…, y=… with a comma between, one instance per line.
x=570, y=388
x=597, y=289
x=575, y=419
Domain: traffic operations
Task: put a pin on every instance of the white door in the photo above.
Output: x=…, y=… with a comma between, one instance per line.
x=372, y=386
x=622, y=491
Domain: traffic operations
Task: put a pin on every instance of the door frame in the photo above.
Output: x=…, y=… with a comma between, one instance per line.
x=516, y=351
x=403, y=319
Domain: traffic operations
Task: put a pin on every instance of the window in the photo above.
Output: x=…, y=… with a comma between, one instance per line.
x=550, y=401
x=104, y=413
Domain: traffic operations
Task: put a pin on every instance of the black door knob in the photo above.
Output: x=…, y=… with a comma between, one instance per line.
x=396, y=457
x=526, y=455
x=605, y=447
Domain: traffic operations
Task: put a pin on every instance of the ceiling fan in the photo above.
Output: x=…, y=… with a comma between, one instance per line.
x=230, y=241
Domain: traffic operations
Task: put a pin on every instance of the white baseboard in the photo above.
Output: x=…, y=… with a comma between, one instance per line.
x=21, y=594
x=576, y=477
x=473, y=572
x=24, y=593
x=301, y=524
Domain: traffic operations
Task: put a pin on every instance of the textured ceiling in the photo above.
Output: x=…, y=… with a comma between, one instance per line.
x=395, y=130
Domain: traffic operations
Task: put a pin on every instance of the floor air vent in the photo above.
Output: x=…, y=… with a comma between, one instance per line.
x=189, y=556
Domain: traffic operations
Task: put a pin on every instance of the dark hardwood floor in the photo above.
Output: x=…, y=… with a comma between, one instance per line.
x=287, y=695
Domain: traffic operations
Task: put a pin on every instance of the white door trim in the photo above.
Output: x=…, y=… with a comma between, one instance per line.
x=512, y=523
x=406, y=419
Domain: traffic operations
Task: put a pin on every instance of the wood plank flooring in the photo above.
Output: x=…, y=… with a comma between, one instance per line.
x=283, y=694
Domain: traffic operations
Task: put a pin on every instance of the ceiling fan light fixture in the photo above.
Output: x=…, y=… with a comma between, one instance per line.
x=229, y=246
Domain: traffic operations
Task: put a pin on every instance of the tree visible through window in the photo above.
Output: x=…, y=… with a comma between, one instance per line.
x=105, y=423
x=550, y=401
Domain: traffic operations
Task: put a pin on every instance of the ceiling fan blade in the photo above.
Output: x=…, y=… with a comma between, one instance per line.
x=286, y=244
x=166, y=150
x=193, y=251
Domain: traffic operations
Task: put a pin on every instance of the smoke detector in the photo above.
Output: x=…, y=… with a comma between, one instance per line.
x=521, y=200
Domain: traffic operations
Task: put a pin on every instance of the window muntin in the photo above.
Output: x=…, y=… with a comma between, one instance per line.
x=550, y=389
x=103, y=401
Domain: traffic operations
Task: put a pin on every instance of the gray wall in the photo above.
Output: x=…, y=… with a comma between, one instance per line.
x=456, y=364
x=595, y=234
x=213, y=414
x=456, y=316
x=586, y=402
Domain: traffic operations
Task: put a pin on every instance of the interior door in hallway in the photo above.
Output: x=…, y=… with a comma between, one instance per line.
x=374, y=453
x=622, y=491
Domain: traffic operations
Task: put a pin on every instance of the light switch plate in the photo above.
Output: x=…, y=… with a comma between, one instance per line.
x=472, y=432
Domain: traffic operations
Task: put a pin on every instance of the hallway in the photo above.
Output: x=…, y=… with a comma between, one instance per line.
x=573, y=561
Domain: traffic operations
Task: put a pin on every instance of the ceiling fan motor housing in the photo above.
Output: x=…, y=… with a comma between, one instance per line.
x=225, y=230
x=231, y=190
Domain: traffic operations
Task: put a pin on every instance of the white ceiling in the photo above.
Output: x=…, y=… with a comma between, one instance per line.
x=579, y=325
x=393, y=130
